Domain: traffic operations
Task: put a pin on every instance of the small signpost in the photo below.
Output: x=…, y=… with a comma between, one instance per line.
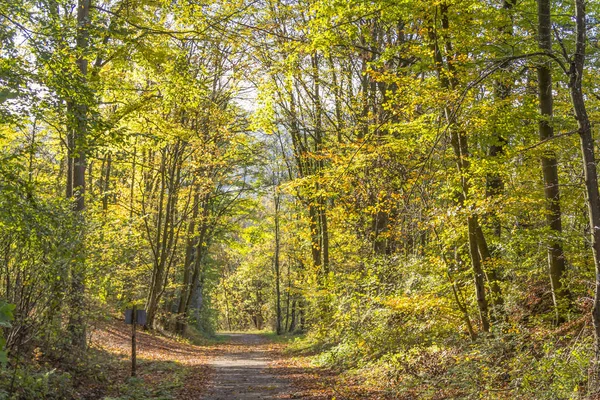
x=134, y=317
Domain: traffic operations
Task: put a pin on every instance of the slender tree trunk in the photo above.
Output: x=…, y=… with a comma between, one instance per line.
x=319, y=167
x=90, y=177
x=321, y=206
x=132, y=186
x=491, y=275
x=292, y=324
x=288, y=294
x=198, y=293
x=152, y=294
x=106, y=182
x=590, y=174
x=70, y=151
x=197, y=276
x=556, y=257
x=478, y=273
x=276, y=262
x=460, y=146
x=164, y=229
x=190, y=251
x=315, y=234
x=227, y=312
x=461, y=149
x=337, y=91
x=324, y=235
x=302, y=313
x=197, y=280
x=80, y=110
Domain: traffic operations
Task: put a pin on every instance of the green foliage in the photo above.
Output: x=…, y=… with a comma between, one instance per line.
x=29, y=384
x=137, y=389
x=6, y=315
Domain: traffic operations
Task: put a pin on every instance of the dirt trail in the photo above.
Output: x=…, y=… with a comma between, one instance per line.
x=241, y=371
x=242, y=367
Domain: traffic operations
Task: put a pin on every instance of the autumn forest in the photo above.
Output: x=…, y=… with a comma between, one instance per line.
x=338, y=199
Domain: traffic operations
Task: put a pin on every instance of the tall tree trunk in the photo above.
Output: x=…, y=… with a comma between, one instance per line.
x=190, y=251
x=590, y=173
x=198, y=297
x=324, y=234
x=556, y=257
x=288, y=295
x=315, y=234
x=491, y=275
x=80, y=122
x=323, y=301
x=227, y=312
x=132, y=185
x=106, y=181
x=292, y=324
x=277, y=200
x=70, y=151
x=478, y=273
x=319, y=167
x=164, y=232
x=337, y=92
x=195, y=293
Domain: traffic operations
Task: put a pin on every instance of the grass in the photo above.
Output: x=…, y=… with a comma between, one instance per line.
x=269, y=335
x=286, y=338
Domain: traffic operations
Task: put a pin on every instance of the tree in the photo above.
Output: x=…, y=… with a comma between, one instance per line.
x=556, y=257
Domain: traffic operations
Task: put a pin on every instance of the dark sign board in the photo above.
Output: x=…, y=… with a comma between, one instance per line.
x=140, y=317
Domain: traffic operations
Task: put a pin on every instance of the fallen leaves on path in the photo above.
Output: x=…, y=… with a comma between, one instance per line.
x=166, y=364
x=170, y=366
x=316, y=383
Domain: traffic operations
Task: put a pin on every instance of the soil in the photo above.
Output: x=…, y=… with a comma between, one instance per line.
x=242, y=371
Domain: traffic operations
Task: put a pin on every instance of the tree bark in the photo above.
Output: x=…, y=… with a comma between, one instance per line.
x=106, y=182
x=491, y=275
x=277, y=200
x=556, y=257
x=76, y=187
x=181, y=323
x=152, y=301
x=590, y=174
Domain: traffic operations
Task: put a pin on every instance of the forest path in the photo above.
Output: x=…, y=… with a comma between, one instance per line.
x=240, y=370
x=236, y=366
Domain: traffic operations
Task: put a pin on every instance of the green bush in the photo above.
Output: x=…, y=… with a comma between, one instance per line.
x=24, y=384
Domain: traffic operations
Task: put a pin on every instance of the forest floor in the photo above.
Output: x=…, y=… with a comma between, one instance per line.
x=234, y=366
x=167, y=367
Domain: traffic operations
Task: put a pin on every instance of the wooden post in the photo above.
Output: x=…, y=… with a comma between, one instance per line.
x=133, y=325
